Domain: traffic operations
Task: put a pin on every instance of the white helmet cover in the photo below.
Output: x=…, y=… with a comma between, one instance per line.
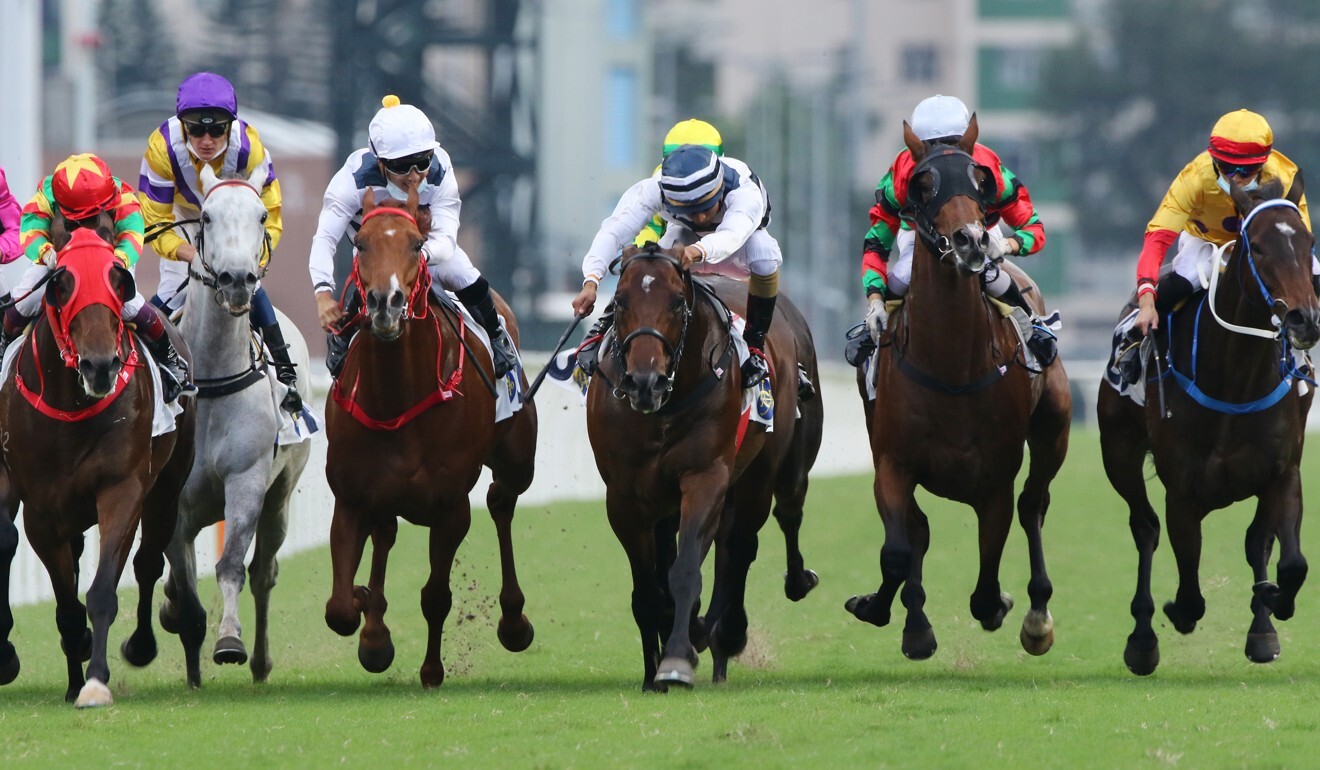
x=940, y=117
x=399, y=131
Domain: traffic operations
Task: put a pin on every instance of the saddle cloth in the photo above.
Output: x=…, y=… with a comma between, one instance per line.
x=509, y=388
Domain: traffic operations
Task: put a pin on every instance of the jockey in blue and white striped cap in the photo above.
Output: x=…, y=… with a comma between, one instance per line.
x=691, y=179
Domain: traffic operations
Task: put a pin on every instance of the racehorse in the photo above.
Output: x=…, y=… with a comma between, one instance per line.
x=236, y=477
x=679, y=458
x=957, y=403
x=404, y=441
x=76, y=418
x=1231, y=429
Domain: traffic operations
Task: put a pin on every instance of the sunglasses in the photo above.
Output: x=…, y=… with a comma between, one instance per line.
x=420, y=162
x=1243, y=171
x=214, y=130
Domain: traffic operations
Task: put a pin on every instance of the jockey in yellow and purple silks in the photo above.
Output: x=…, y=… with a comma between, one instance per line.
x=690, y=131
x=82, y=193
x=206, y=130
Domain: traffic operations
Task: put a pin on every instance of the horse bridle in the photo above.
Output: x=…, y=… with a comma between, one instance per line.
x=1246, y=256
x=954, y=173
x=211, y=279
x=675, y=352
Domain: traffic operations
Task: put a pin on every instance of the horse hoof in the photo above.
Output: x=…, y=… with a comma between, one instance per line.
x=433, y=676
x=720, y=669
x=516, y=636
x=795, y=590
x=1037, y=635
x=868, y=609
x=169, y=618
x=84, y=646
x=1263, y=648
x=94, y=694
x=1183, y=625
x=261, y=667
x=229, y=649
x=919, y=645
x=378, y=659
x=675, y=671
x=1142, y=660
x=9, y=669
x=138, y=654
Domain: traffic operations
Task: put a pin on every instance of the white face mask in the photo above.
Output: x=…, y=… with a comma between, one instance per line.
x=1248, y=187
x=397, y=192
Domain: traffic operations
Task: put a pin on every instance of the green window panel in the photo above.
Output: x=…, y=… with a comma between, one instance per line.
x=1054, y=9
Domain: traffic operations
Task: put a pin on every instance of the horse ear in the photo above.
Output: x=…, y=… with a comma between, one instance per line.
x=258, y=177
x=123, y=282
x=368, y=201
x=1240, y=199
x=412, y=201
x=914, y=145
x=59, y=288
x=969, y=136
x=1297, y=190
x=209, y=179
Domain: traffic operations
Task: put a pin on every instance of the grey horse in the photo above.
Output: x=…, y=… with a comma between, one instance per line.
x=236, y=477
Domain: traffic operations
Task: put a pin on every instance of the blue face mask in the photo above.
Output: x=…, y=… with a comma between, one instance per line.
x=1248, y=187
x=397, y=192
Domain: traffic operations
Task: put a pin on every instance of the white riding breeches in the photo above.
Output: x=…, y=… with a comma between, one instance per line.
x=759, y=255
x=454, y=273
x=30, y=303
x=1194, y=257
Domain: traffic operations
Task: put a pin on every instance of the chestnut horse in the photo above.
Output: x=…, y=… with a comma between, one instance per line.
x=664, y=415
x=957, y=404
x=76, y=417
x=406, y=442
x=1231, y=429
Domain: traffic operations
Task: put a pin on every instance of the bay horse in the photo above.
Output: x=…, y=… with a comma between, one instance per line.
x=679, y=459
x=404, y=441
x=76, y=417
x=957, y=405
x=1231, y=427
x=240, y=474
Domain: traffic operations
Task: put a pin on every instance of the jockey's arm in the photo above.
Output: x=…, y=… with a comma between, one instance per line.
x=1019, y=213
x=156, y=196
x=637, y=205
x=273, y=198
x=128, y=226
x=342, y=201
x=445, y=204
x=744, y=210
x=34, y=226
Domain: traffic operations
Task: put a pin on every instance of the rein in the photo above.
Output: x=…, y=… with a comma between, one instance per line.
x=37, y=398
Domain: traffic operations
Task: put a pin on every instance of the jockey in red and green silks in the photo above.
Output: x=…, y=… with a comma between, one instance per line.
x=943, y=120
x=81, y=193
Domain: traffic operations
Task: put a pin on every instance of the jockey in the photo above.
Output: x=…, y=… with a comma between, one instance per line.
x=205, y=130
x=690, y=131
x=717, y=209
x=1199, y=214
x=10, y=213
x=943, y=120
x=402, y=154
x=83, y=193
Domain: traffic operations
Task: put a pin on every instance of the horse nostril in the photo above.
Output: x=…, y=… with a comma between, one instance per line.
x=961, y=241
x=397, y=299
x=373, y=301
x=662, y=384
x=985, y=241
x=224, y=279
x=250, y=280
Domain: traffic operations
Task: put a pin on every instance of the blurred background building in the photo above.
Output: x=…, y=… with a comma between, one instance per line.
x=552, y=108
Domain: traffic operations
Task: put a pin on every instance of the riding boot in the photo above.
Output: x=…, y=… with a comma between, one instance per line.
x=1172, y=289
x=760, y=312
x=173, y=369
x=13, y=326
x=336, y=343
x=588, y=353
x=479, y=302
x=1040, y=340
x=285, y=370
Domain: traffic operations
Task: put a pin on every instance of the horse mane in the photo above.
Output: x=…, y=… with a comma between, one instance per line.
x=1268, y=191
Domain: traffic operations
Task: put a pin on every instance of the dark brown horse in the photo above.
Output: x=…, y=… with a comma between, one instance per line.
x=410, y=424
x=957, y=405
x=1231, y=426
x=76, y=415
x=664, y=414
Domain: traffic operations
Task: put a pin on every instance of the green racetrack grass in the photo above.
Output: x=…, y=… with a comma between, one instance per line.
x=815, y=686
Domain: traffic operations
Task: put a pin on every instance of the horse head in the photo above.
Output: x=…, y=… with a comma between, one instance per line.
x=947, y=199
x=84, y=299
x=390, y=267
x=652, y=309
x=232, y=243
x=1276, y=246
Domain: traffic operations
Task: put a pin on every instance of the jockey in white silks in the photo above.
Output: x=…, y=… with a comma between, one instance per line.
x=403, y=154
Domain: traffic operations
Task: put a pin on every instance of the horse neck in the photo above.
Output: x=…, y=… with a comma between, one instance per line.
x=949, y=327
x=219, y=341
x=385, y=373
x=697, y=345
x=1226, y=352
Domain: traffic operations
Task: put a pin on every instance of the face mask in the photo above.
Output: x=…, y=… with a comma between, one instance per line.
x=398, y=193
x=1248, y=187
x=218, y=153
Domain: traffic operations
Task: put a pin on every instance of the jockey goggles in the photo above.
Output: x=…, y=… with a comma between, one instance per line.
x=1247, y=171
x=420, y=162
x=198, y=130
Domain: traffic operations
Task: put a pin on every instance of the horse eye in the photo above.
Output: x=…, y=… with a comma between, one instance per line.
x=206, y=218
x=263, y=218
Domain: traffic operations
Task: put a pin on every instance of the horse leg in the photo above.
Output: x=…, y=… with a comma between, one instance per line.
x=375, y=648
x=790, y=498
x=244, y=495
x=1183, y=519
x=648, y=597
x=728, y=631
x=1262, y=640
x=703, y=500
x=264, y=571
x=70, y=615
x=160, y=512
x=918, y=636
x=1284, y=499
x=515, y=631
x=1047, y=439
x=893, y=498
x=994, y=519
x=119, y=511
x=447, y=532
x=9, y=664
x=349, y=530
x=183, y=613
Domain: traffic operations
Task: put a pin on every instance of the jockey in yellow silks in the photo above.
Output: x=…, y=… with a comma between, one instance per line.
x=206, y=130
